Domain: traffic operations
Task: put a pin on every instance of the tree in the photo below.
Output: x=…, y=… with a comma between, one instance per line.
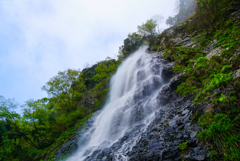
x=148, y=30
x=130, y=44
x=105, y=69
x=37, y=124
x=185, y=8
x=66, y=89
x=212, y=14
x=171, y=21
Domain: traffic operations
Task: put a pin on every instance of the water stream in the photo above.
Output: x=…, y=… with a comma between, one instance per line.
x=127, y=113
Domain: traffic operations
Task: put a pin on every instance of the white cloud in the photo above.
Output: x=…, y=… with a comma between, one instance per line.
x=60, y=34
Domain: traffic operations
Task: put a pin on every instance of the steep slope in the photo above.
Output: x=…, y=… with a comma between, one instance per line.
x=198, y=122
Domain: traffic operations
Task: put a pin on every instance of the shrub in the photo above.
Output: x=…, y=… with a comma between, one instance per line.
x=183, y=147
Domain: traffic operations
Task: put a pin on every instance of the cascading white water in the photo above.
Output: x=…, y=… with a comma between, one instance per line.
x=132, y=102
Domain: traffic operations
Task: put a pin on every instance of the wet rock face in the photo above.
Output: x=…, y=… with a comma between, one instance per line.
x=156, y=137
x=170, y=127
x=71, y=145
x=166, y=95
x=175, y=81
x=167, y=72
x=67, y=148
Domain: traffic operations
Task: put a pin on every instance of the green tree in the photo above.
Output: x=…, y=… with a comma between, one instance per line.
x=66, y=89
x=148, y=31
x=209, y=12
x=37, y=124
x=130, y=44
x=105, y=69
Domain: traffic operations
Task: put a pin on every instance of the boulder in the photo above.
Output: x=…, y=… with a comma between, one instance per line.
x=215, y=52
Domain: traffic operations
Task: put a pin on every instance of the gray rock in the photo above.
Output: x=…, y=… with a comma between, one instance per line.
x=166, y=95
x=236, y=74
x=216, y=52
x=175, y=81
x=235, y=54
x=67, y=148
x=209, y=109
x=193, y=134
x=210, y=47
x=176, y=40
x=185, y=42
x=159, y=140
x=167, y=72
x=187, y=38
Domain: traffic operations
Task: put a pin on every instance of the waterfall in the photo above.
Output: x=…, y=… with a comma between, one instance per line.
x=128, y=111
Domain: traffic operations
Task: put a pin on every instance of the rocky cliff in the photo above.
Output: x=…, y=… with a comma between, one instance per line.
x=201, y=73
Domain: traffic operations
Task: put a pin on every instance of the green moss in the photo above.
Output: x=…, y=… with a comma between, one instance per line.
x=213, y=154
x=202, y=76
x=226, y=69
x=186, y=88
x=221, y=130
x=201, y=62
x=223, y=98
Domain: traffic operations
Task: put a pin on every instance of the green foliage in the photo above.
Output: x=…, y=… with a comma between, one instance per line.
x=202, y=76
x=48, y=123
x=65, y=89
x=201, y=62
x=211, y=14
x=186, y=88
x=223, y=98
x=74, y=95
x=148, y=31
x=130, y=44
x=183, y=147
x=222, y=131
x=218, y=80
x=213, y=154
x=226, y=68
x=148, y=28
x=104, y=70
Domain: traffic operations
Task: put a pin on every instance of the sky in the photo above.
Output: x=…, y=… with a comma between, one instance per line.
x=38, y=38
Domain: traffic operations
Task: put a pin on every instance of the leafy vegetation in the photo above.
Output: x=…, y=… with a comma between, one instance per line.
x=183, y=147
x=131, y=44
x=48, y=123
x=222, y=131
x=211, y=80
x=74, y=95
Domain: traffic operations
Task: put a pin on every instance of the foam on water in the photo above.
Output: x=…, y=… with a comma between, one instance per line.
x=131, y=105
